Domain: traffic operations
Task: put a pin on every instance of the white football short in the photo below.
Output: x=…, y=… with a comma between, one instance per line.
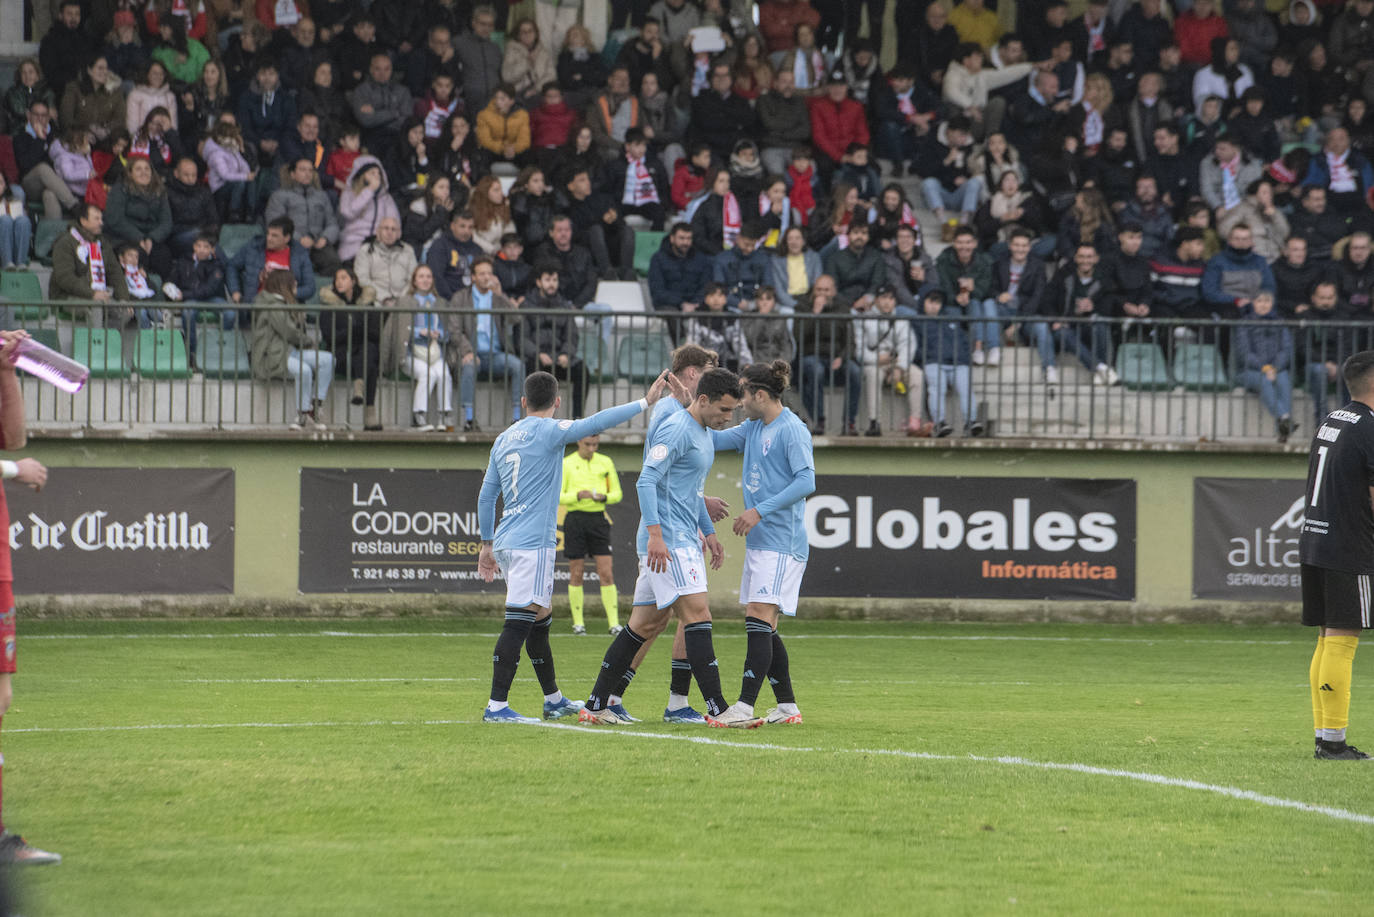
x=529, y=577
x=771, y=578
x=686, y=575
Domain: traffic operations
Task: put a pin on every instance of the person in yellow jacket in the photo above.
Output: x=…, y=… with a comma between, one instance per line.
x=590, y=485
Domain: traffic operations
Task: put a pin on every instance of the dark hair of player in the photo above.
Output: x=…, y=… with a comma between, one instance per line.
x=772, y=378
x=689, y=355
x=1358, y=372
x=718, y=383
x=541, y=390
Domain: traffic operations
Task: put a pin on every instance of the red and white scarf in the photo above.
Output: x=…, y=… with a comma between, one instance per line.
x=1230, y=191
x=1093, y=126
x=137, y=282
x=639, y=184
x=436, y=116
x=730, y=218
x=88, y=253
x=1342, y=176
x=147, y=149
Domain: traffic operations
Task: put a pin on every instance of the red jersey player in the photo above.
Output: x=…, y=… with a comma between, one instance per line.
x=13, y=848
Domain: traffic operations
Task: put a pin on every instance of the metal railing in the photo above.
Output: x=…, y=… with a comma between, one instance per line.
x=1180, y=381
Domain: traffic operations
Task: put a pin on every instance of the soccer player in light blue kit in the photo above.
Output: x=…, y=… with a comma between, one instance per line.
x=672, y=567
x=526, y=470
x=779, y=474
x=690, y=361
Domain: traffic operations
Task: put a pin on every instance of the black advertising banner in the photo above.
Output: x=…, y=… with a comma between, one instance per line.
x=415, y=530
x=1245, y=539
x=128, y=531
x=983, y=538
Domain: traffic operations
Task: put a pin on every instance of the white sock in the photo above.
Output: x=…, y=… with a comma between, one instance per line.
x=1333, y=735
x=553, y=698
x=613, y=701
x=494, y=705
x=677, y=701
x=789, y=709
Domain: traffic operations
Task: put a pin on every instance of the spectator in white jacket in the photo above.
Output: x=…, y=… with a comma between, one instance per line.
x=887, y=348
x=386, y=263
x=153, y=91
x=967, y=86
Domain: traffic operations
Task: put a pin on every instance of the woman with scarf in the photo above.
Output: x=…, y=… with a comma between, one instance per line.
x=138, y=212
x=158, y=141
x=808, y=63
x=581, y=72
x=715, y=215
x=355, y=339
x=1093, y=117
x=414, y=337
x=1226, y=76
x=658, y=115
x=994, y=157
x=746, y=170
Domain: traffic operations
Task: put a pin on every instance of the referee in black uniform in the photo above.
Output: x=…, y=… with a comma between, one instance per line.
x=1337, y=552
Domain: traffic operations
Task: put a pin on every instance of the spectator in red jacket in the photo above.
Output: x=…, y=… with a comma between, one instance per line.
x=778, y=21
x=1194, y=31
x=689, y=178
x=552, y=122
x=836, y=122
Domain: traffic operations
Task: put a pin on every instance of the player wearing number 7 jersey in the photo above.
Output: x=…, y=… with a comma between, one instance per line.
x=1337, y=552
x=526, y=470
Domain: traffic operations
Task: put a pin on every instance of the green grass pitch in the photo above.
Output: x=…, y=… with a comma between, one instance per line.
x=249, y=767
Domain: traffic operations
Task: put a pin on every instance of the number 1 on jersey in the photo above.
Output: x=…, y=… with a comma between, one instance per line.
x=513, y=459
x=1316, y=478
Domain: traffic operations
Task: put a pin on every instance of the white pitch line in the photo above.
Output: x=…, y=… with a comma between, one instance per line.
x=314, y=681
x=1231, y=792
x=956, y=638
x=323, y=724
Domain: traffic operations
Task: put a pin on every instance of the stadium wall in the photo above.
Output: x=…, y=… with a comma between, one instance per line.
x=267, y=517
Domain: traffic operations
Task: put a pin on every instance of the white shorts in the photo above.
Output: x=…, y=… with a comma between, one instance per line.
x=686, y=575
x=529, y=577
x=771, y=578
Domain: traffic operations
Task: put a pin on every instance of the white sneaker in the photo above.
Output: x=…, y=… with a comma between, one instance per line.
x=734, y=718
x=1100, y=374
x=776, y=717
x=1112, y=377
x=1051, y=375
x=995, y=356
x=615, y=631
x=979, y=358
x=579, y=630
x=603, y=717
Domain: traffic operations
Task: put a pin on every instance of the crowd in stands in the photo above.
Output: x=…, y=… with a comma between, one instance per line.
x=1206, y=161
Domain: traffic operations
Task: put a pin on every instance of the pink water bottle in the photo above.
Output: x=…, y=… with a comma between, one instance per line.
x=47, y=364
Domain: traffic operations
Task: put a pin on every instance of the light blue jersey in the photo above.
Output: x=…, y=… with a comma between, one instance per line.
x=526, y=470
x=672, y=482
x=779, y=474
x=665, y=409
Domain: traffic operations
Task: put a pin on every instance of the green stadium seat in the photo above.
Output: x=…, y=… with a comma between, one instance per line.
x=1199, y=367
x=25, y=293
x=597, y=357
x=45, y=236
x=1142, y=367
x=223, y=354
x=647, y=242
x=641, y=357
x=160, y=353
x=101, y=349
x=234, y=236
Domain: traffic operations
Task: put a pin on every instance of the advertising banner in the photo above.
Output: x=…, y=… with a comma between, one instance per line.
x=984, y=538
x=129, y=531
x=1245, y=539
x=415, y=530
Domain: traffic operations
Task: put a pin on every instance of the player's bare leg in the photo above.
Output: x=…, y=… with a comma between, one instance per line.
x=13, y=848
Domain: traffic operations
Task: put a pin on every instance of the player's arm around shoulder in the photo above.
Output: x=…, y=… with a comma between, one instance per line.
x=731, y=439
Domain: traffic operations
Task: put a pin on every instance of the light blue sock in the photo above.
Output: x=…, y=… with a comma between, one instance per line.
x=467, y=412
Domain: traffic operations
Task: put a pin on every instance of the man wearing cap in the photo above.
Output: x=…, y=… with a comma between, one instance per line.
x=836, y=122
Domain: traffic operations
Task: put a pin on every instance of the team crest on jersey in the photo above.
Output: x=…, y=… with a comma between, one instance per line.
x=658, y=453
x=9, y=650
x=767, y=444
x=692, y=574
x=7, y=618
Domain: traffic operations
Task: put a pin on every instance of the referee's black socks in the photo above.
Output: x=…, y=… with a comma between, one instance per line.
x=758, y=658
x=619, y=657
x=504, y=660
x=541, y=655
x=702, y=655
